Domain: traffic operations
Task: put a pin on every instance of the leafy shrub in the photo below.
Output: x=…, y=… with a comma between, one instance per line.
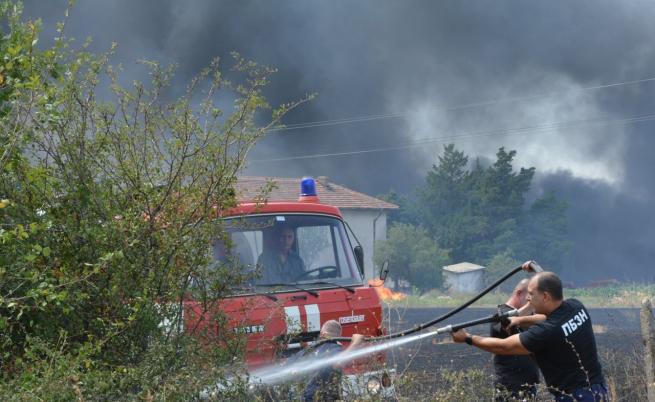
x=412, y=256
x=108, y=207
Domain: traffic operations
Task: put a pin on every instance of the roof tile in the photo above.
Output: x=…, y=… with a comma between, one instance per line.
x=288, y=189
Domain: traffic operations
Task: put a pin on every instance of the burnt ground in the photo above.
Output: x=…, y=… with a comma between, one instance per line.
x=617, y=333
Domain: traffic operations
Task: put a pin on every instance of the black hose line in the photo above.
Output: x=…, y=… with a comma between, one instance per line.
x=494, y=318
x=533, y=266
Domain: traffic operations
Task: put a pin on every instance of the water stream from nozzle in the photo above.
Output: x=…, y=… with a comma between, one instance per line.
x=281, y=373
x=277, y=374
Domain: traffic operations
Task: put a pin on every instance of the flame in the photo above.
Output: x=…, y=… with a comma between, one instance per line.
x=385, y=293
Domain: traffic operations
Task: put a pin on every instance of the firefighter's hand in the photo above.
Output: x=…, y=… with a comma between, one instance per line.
x=512, y=322
x=503, y=321
x=357, y=339
x=526, y=266
x=459, y=336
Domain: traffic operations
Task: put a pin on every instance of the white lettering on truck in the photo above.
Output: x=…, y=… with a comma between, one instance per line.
x=351, y=319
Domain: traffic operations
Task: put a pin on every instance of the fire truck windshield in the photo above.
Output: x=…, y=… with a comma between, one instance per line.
x=312, y=251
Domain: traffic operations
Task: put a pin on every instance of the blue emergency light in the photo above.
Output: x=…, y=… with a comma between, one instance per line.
x=307, y=187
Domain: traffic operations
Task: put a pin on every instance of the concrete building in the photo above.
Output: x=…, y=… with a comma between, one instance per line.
x=366, y=215
x=464, y=277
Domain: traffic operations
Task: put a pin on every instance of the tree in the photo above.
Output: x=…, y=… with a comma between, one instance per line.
x=407, y=211
x=453, y=204
x=447, y=205
x=544, y=231
x=108, y=207
x=412, y=256
x=499, y=265
x=502, y=195
x=445, y=190
x=480, y=212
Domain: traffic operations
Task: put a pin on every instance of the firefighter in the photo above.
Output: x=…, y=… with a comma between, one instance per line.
x=515, y=375
x=561, y=338
x=325, y=384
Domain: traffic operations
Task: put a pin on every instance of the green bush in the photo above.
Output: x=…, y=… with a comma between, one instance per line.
x=108, y=207
x=498, y=266
x=412, y=256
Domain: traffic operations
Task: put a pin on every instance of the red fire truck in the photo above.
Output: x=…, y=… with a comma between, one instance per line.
x=320, y=278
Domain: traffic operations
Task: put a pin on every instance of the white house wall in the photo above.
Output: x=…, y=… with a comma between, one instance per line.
x=361, y=222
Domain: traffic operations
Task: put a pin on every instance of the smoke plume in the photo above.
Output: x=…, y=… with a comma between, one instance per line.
x=530, y=76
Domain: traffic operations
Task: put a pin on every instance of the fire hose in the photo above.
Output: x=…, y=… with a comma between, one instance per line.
x=279, y=374
x=500, y=317
x=532, y=266
x=275, y=375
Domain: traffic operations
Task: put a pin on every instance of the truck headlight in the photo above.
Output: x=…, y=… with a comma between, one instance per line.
x=373, y=385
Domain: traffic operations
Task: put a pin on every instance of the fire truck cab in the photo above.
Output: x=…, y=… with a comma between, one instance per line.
x=303, y=271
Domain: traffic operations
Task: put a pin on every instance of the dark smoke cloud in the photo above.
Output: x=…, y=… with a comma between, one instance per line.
x=417, y=58
x=612, y=231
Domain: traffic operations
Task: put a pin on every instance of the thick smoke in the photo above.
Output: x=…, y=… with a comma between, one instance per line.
x=532, y=64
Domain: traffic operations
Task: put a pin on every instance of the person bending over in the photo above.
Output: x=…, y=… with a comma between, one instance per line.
x=325, y=384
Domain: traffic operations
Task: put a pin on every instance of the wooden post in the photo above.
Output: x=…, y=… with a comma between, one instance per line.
x=649, y=347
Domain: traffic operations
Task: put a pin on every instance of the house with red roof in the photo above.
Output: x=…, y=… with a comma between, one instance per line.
x=366, y=215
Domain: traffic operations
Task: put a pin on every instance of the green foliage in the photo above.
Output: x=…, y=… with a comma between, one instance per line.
x=625, y=295
x=412, y=256
x=108, y=205
x=543, y=230
x=443, y=298
x=450, y=210
x=498, y=266
x=166, y=371
x=407, y=208
x=480, y=212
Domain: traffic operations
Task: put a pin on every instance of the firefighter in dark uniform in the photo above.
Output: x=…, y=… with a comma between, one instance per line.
x=561, y=338
x=515, y=376
x=325, y=384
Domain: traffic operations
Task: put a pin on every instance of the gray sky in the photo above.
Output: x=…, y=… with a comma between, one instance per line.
x=536, y=66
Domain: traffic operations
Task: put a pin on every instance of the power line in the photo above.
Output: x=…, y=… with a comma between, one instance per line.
x=500, y=132
x=357, y=119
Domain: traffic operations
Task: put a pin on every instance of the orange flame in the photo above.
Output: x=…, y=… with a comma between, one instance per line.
x=385, y=293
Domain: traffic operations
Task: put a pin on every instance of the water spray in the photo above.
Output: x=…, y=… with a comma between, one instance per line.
x=278, y=374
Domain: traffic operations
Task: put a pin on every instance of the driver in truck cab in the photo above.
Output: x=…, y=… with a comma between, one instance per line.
x=280, y=262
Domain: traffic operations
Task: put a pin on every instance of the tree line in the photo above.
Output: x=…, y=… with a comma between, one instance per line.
x=469, y=212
